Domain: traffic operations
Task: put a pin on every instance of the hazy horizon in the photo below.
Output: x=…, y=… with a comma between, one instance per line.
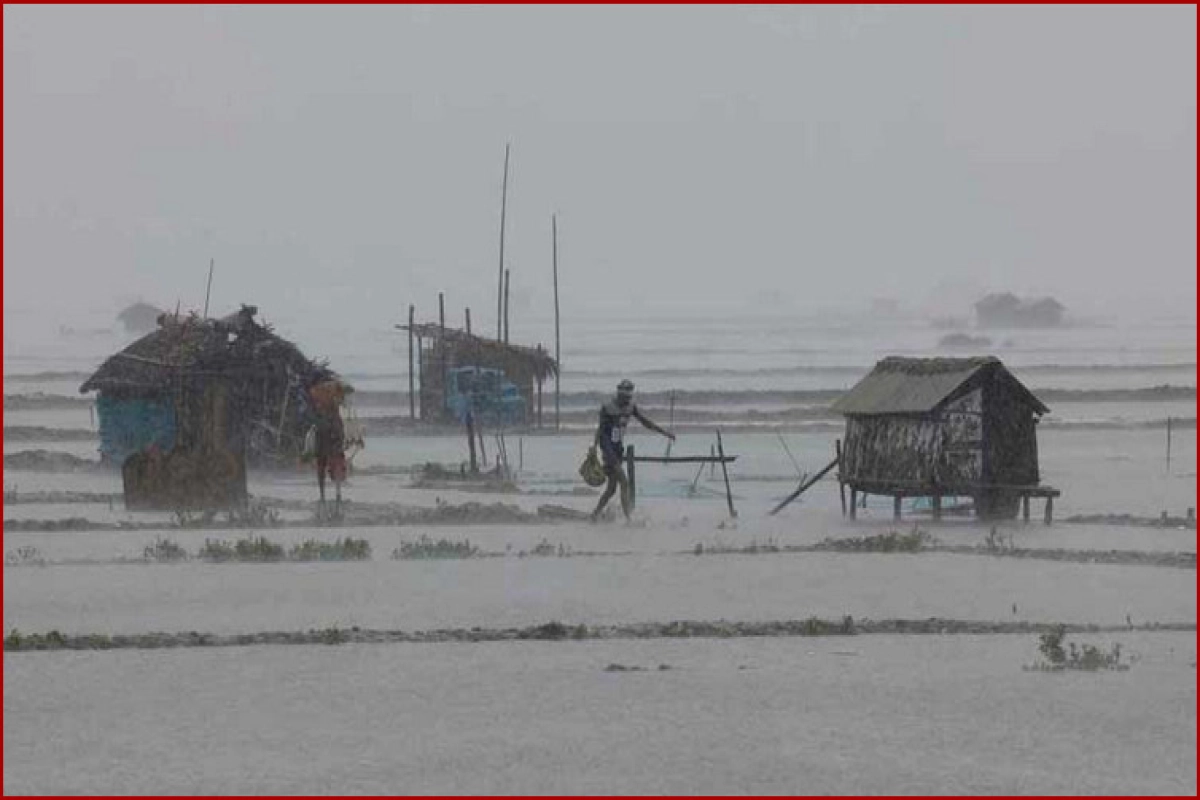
x=346, y=162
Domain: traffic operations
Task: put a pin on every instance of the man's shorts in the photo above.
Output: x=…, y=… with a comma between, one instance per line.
x=335, y=464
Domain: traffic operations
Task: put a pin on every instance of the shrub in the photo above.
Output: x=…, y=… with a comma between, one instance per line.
x=1085, y=657
x=164, y=550
x=23, y=556
x=348, y=549
x=425, y=547
x=256, y=548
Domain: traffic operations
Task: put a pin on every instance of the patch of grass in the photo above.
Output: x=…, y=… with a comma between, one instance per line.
x=890, y=542
x=544, y=548
x=424, y=547
x=190, y=519
x=348, y=549
x=1087, y=657
x=164, y=550
x=753, y=547
x=254, y=515
x=256, y=548
x=25, y=556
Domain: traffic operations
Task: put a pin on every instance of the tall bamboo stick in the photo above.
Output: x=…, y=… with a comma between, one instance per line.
x=557, y=341
x=500, y=275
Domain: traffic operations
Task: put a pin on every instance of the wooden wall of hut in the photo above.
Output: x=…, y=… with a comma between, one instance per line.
x=1010, y=434
x=914, y=450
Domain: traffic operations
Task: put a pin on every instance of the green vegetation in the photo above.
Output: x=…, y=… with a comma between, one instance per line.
x=891, y=542
x=257, y=548
x=425, y=547
x=348, y=549
x=1085, y=657
x=164, y=551
x=24, y=556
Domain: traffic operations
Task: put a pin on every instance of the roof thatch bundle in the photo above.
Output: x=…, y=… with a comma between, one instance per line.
x=537, y=361
x=234, y=347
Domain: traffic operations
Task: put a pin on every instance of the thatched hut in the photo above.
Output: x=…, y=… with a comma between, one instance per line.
x=940, y=427
x=443, y=351
x=202, y=396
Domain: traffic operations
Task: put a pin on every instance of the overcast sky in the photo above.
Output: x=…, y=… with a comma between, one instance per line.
x=699, y=159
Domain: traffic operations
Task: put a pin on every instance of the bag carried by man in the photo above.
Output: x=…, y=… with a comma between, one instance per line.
x=592, y=470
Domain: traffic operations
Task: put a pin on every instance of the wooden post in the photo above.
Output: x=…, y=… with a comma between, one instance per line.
x=896, y=507
x=712, y=465
x=471, y=440
x=412, y=396
x=725, y=472
x=1168, y=443
x=1049, y=509
x=1025, y=507
x=631, y=469
x=441, y=345
x=468, y=322
x=421, y=374
x=521, y=453
x=853, y=503
x=557, y=342
x=671, y=424
x=506, y=306
x=837, y=447
x=937, y=506
x=500, y=275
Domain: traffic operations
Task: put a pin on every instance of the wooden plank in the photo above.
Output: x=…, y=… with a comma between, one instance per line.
x=687, y=459
x=806, y=484
x=631, y=462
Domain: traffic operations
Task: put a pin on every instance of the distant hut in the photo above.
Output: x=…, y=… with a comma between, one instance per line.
x=943, y=427
x=183, y=408
x=140, y=318
x=1009, y=311
x=508, y=392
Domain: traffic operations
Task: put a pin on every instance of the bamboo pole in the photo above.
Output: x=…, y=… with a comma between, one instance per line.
x=441, y=345
x=837, y=444
x=631, y=470
x=1168, y=443
x=412, y=397
x=506, y=306
x=421, y=374
x=557, y=341
x=725, y=472
x=471, y=441
x=806, y=484
x=208, y=291
x=500, y=275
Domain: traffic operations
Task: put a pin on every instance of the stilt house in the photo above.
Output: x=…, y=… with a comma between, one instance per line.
x=941, y=427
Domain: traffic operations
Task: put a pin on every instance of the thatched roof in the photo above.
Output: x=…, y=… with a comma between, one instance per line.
x=232, y=347
x=540, y=363
x=919, y=385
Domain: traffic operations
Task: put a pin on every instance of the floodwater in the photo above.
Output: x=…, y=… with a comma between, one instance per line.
x=917, y=714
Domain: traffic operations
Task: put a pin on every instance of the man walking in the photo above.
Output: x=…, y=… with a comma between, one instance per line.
x=610, y=438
